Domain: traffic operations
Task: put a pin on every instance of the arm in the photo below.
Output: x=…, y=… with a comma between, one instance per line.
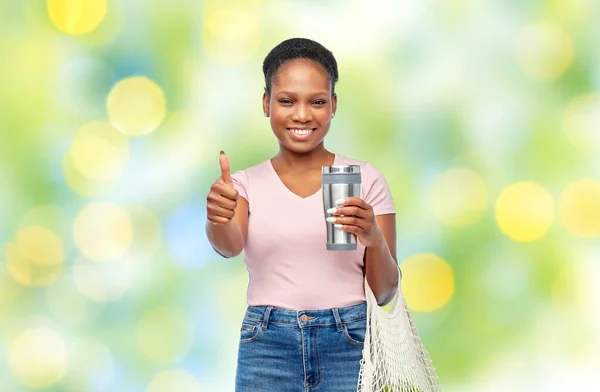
x=381, y=264
x=229, y=239
x=378, y=235
x=226, y=214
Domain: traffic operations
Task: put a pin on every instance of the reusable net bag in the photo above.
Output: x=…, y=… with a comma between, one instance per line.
x=394, y=358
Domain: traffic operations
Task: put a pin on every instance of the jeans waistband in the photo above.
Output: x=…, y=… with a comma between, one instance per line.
x=306, y=318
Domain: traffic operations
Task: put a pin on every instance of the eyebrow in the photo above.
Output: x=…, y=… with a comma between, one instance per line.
x=314, y=94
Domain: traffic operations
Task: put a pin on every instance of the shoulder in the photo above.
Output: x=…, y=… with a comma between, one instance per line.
x=255, y=171
x=247, y=181
x=375, y=188
x=370, y=172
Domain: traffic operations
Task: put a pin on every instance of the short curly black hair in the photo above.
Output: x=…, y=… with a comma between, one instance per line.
x=299, y=48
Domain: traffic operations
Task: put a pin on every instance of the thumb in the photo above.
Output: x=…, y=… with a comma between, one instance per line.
x=225, y=169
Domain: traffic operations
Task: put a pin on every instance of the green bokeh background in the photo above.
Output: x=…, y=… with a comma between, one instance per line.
x=424, y=86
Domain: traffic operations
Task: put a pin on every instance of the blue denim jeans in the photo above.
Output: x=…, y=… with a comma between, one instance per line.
x=300, y=351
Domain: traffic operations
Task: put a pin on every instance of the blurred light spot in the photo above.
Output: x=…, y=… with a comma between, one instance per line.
x=36, y=257
x=579, y=207
x=40, y=245
x=103, y=231
x=80, y=183
x=427, y=282
x=50, y=216
x=103, y=282
x=136, y=106
x=458, y=197
x=231, y=36
x=189, y=248
x=525, y=211
x=577, y=13
x=580, y=122
x=9, y=288
x=76, y=17
x=39, y=358
x=99, y=151
x=26, y=272
x=545, y=51
x=69, y=305
x=164, y=334
x=147, y=234
x=111, y=26
x=174, y=380
x=91, y=156
x=92, y=367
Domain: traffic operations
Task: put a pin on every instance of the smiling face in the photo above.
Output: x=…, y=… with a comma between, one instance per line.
x=300, y=105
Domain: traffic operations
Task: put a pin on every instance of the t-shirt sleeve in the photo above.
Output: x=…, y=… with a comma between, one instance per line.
x=240, y=183
x=377, y=191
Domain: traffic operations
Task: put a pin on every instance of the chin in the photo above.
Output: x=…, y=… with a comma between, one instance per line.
x=299, y=149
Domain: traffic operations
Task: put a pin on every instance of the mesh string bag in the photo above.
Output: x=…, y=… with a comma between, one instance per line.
x=394, y=358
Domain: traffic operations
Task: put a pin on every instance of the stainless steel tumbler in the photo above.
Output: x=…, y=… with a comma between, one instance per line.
x=338, y=182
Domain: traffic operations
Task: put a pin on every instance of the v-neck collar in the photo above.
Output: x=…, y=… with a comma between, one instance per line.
x=288, y=190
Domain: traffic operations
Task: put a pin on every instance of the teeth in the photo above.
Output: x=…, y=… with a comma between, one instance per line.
x=301, y=131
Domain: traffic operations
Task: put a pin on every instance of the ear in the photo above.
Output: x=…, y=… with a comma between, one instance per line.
x=334, y=104
x=265, y=103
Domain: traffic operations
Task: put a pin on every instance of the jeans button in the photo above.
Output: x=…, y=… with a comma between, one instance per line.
x=304, y=318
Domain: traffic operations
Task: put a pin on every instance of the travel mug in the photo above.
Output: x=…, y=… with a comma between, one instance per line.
x=339, y=182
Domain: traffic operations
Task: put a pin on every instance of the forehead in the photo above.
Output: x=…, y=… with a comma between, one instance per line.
x=302, y=74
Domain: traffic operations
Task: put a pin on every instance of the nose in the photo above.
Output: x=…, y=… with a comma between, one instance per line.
x=302, y=114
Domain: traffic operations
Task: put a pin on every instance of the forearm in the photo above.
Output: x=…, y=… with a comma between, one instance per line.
x=226, y=239
x=382, y=271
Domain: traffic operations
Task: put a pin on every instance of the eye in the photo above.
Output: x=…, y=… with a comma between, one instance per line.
x=285, y=101
x=320, y=102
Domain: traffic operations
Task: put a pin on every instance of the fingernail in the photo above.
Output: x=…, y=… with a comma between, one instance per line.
x=340, y=201
x=222, y=152
x=330, y=220
x=337, y=226
x=331, y=210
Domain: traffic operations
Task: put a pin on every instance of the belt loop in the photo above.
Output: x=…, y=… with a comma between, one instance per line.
x=265, y=321
x=338, y=321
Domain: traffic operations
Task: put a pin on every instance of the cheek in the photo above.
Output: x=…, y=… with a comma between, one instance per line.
x=324, y=116
x=279, y=115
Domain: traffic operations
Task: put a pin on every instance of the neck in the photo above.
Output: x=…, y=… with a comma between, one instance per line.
x=312, y=160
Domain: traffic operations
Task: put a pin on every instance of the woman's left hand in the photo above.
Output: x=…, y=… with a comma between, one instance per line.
x=358, y=219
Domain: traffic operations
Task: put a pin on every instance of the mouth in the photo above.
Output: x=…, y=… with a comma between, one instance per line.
x=301, y=133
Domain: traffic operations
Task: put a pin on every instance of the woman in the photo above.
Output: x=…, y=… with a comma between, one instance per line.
x=305, y=323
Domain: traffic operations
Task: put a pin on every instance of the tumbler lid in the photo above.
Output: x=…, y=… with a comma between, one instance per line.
x=340, y=169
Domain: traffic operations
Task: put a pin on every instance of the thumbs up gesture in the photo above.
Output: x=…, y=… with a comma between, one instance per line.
x=222, y=197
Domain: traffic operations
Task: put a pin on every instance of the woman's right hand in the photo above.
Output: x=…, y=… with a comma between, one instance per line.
x=222, y=197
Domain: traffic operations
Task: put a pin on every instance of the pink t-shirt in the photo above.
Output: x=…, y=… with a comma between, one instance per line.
x=285, y=251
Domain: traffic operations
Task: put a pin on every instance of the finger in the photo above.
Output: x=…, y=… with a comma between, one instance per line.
x=348, y=221
x=225, y=190
x=350, y=229
x=353, y=201
x=225, y=168
x=218, y=219
x=216, y=199
x=215, y=210
x=353, y=210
